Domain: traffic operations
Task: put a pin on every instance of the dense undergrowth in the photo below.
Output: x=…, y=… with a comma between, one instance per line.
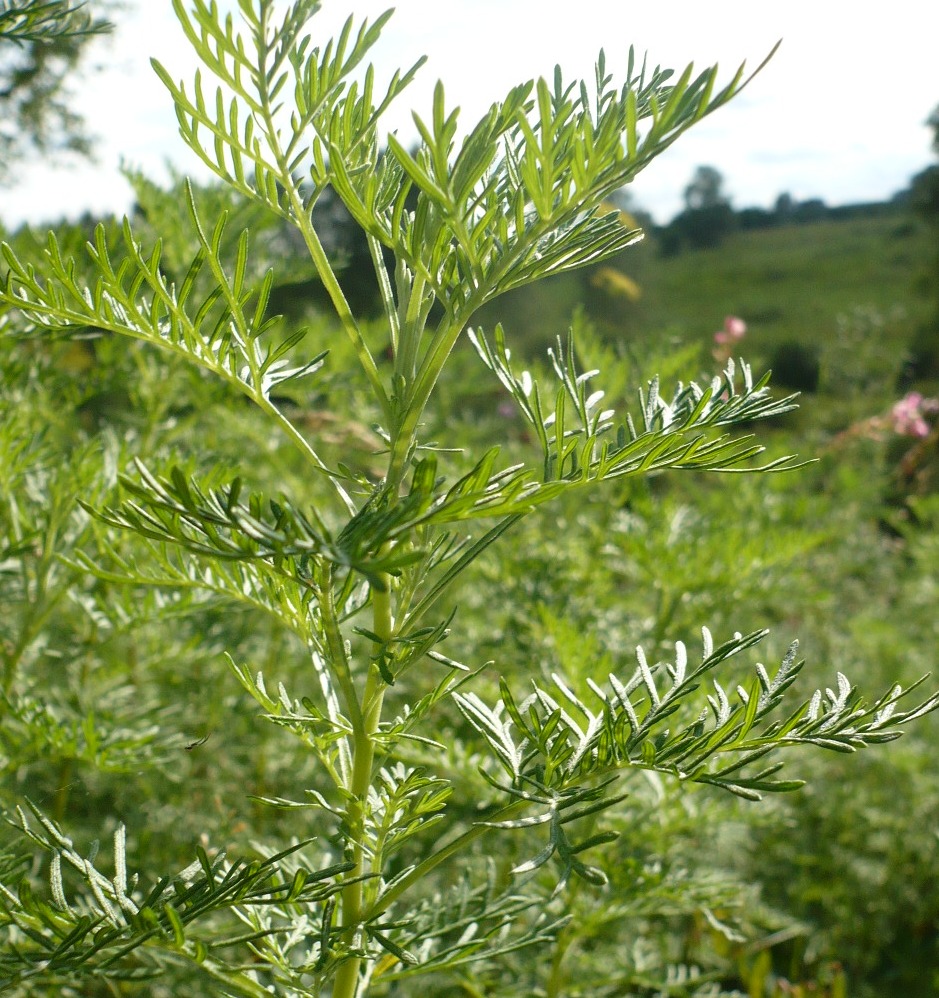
x=122, y=722
x=141, y=723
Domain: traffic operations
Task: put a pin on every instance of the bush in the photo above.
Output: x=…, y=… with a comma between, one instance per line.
x=796, y=366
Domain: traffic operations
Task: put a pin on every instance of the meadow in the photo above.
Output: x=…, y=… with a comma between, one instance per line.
x=350, y=645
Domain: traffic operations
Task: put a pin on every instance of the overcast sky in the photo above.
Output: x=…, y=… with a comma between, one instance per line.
x=838, y=114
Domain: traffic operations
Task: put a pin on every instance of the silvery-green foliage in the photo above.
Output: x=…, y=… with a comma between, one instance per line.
x=41, y=20
x=114, y=916
x=53, y=617
x=359, y=568
x=547, y=744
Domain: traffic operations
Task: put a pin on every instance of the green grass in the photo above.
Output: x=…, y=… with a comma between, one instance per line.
x=843, y=288
x=789, y=284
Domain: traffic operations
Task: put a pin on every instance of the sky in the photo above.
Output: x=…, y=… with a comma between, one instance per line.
x=839, y=113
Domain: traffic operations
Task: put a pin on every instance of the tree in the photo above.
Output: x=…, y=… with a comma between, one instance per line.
x=708, y=216
x=705, y=190
x=924, y=188
x=924, y=197
x=46, y=40
x=785, y=205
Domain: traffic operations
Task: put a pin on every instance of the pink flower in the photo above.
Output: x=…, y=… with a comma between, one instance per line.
x=725, y=339
x=734, y=329
x=908, y=415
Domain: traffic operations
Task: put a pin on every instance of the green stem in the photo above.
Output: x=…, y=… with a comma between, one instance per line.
x=405, y=433
x=562, y=946
x=301, y=217
x=411, y=331
x=66, y=768
x=264, y=113
x=328, y=277
x=568, y=936
x=335, y=645
x=303, y=445
x=384, y=286
x=348, y=975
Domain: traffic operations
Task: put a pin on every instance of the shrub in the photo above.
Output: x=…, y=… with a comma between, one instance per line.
x=796, y=366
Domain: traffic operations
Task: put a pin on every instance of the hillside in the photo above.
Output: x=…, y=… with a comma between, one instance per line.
x=839, y=294
x=788, y=283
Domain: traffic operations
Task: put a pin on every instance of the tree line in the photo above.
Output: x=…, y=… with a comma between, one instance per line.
x=708, y=216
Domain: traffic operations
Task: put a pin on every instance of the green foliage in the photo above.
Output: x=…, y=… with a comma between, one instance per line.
x=42, y=43
x=36, y=20
x=796, y=365
x=114, y=918
x=198, y=509
x=707, y=218
x=621, y=736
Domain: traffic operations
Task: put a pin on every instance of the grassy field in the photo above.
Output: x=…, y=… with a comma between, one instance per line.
x=788, y=283
x=842, y=288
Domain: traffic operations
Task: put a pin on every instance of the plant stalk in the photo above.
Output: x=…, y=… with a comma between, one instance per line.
x=348, y=974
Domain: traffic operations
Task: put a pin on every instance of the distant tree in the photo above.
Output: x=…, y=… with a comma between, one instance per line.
x=924, y=188
x=708, y=216
x=788, y=211
x=756, y=218
x=706, y=190
x=41, y=45
x=784, y=207
x=813, y=210
x=625, y=201
x=924, y=200
x=796, y=365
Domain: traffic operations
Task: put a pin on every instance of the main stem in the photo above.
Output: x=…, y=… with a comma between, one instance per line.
x=348, y=975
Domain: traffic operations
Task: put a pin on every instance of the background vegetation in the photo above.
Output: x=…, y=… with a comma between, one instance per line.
x=836, y=886
x=132, y=717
